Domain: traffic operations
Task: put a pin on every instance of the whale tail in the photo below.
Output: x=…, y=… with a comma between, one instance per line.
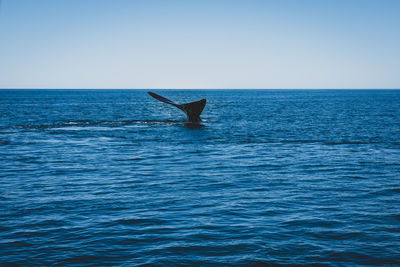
x=192, y=109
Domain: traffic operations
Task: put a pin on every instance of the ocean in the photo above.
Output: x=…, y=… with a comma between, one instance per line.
x=115, y=177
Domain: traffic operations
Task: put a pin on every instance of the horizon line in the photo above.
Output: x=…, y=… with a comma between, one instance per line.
x=200, y=88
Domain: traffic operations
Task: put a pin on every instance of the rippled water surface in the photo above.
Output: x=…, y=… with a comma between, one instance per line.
x=271, y=177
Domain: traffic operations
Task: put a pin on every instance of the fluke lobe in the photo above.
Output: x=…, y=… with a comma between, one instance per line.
x=192, y=109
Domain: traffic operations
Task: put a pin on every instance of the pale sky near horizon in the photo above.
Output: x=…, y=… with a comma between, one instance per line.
x=200, y=44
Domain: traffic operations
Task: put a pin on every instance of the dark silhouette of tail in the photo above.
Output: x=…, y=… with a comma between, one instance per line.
x=192, y=109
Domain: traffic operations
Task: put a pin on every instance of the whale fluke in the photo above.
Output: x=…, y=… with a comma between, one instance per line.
x=192, y=109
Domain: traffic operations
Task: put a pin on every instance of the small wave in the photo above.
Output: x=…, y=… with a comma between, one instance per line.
x=78, y=122
x=349, y=143
x=356, y=177
x=302, y=141
x=314, y=141
x=395, y=217
x=135, y=221
x=86, y=123
x=79, y=259
x=5, y=142
x=337, y=235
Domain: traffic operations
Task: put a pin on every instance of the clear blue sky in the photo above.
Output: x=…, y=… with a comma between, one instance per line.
x=200, y=44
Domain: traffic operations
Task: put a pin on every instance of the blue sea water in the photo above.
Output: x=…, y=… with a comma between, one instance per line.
x=114, y=177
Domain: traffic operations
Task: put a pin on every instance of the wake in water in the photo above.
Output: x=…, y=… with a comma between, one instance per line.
x=88, y=123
